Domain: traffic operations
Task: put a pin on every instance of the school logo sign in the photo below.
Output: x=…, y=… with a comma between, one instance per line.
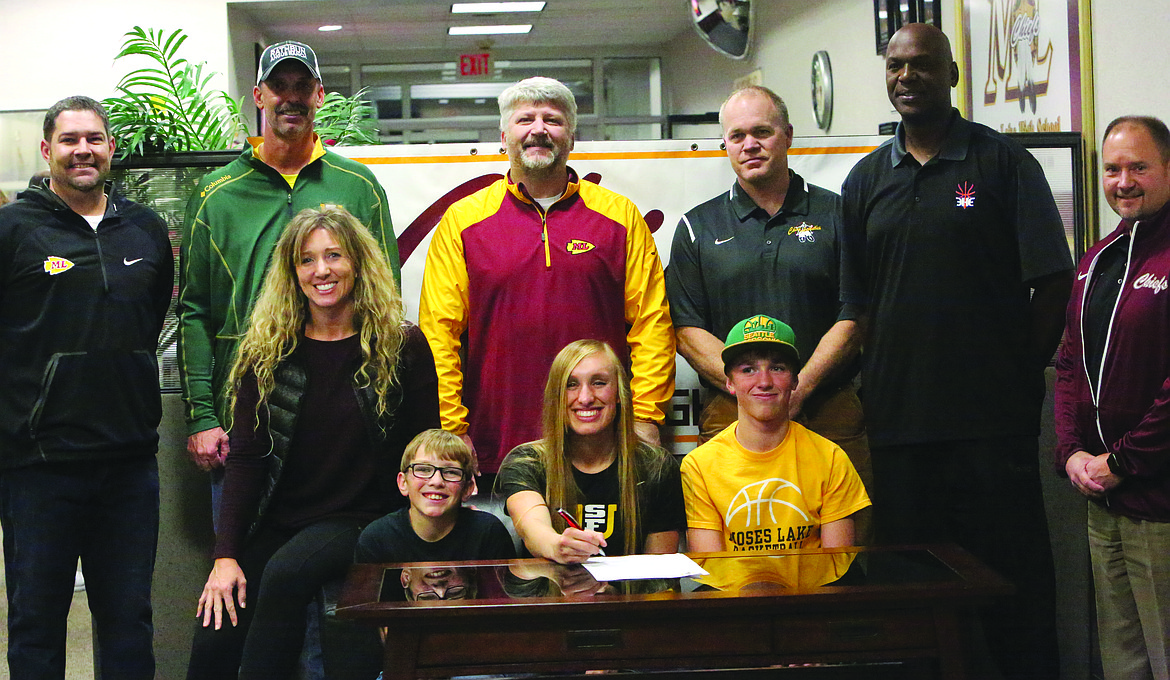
x=1022, y=55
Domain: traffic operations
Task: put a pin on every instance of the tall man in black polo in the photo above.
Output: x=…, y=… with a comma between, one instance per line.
x=961, y=247
x=770, y=245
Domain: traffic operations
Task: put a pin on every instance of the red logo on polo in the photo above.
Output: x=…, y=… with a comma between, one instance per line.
x=965, y=195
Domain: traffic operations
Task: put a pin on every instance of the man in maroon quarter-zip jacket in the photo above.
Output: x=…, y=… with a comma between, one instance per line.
x=529, y=264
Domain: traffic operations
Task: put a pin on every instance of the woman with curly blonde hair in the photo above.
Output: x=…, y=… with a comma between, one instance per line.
x=329, y=385
x=624, y=494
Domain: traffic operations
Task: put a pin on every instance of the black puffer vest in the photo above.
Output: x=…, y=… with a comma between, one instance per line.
x=283, y=406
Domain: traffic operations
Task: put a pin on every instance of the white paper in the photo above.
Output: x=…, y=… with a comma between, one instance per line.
x=630, y=567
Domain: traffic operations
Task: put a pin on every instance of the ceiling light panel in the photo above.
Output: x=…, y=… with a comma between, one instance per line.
x=489, y=30
x=495, y=7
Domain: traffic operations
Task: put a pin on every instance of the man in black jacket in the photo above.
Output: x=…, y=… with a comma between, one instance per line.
x=87, y=279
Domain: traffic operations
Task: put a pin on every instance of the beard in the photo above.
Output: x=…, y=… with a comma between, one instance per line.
x=554, y=154
x=541, y=162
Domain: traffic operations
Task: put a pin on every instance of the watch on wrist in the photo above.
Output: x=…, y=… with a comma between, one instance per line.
x=1114, y=464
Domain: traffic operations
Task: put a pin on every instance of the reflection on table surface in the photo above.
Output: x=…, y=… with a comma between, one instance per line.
x=460, y=584
x=775, y=572
x=437, y=582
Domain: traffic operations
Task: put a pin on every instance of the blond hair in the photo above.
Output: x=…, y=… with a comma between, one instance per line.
x=538, y=90
x=634, y=463
x=759, y=91
x=279, y=315
x=442, y=445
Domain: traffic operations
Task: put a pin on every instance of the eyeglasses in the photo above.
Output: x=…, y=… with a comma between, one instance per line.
x=452, y=593
x=426, y=471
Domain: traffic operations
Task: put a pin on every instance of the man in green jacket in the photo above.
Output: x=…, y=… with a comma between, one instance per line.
x=233, y=221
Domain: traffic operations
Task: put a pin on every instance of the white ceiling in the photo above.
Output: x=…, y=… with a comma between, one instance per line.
x=380, y=25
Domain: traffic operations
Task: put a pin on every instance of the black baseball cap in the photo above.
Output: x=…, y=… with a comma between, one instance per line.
x=289, y=49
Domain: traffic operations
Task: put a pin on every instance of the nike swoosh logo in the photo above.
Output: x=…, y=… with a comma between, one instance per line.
x=1082, y=277
x=127, y=261
x=720, y=242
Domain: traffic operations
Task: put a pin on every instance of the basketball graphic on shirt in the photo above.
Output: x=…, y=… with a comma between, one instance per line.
x=753, y=500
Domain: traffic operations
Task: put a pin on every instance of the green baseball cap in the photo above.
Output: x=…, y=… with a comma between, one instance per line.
x=760, y=330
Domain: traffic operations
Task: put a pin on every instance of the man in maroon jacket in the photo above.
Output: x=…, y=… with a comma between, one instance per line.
x=1113, y=402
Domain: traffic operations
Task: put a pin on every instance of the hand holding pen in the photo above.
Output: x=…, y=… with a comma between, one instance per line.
x=588, y=537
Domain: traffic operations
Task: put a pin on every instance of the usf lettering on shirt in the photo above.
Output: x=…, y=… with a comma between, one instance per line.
x=597, y=517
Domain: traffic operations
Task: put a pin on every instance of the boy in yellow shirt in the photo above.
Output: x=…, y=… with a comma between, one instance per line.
x=767, y=483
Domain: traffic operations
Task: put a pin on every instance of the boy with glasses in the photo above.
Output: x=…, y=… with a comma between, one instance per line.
x=436, y=475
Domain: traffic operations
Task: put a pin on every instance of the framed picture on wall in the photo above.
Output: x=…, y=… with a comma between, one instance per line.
x=890, y=15
x=1021, y=62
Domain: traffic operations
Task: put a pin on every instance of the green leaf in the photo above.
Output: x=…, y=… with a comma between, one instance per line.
x=170, y=104
x=347, y=120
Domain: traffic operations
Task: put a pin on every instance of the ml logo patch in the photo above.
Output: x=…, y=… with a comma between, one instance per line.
x=965, y=196
x=577, y=246
x=56, y=265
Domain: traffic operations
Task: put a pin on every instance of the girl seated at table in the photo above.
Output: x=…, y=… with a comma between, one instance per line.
x=328, y=386
x=624, y=494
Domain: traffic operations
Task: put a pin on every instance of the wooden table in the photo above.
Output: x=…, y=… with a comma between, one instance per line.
x=908, y=603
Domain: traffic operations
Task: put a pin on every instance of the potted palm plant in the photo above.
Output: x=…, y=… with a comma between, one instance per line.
x=169, y=106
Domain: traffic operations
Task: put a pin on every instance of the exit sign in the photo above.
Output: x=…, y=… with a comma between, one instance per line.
x=475, y=65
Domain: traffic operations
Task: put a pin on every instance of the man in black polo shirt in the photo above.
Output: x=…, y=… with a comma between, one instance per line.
x=967, y=271
x=770, y=245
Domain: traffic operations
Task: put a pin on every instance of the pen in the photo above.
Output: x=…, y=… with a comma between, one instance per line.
x=572, y=521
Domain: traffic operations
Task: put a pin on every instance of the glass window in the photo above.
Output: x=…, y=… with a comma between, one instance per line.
x=633, y=87
x=428, y=102
x=434, y=90
x=20, y=149
x=337, y=79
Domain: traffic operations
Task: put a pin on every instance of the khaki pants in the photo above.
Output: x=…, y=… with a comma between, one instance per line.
x=1131, y=577
x=835, y=415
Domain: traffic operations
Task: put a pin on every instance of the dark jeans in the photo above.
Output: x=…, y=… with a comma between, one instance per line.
x=285, y=571
x=106, y=513
x=985, y=496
